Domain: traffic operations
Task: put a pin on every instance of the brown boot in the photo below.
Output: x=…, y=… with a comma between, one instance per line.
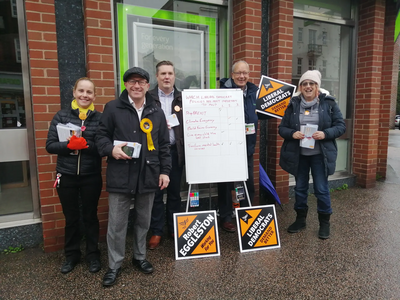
x=154, y=242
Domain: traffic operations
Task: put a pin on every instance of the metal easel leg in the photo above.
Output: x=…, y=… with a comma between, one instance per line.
x=209, y=196
x=247, y=193
x=188, y=198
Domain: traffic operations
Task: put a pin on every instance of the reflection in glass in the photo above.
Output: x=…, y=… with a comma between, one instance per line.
x=15, y=183
x=329, y=8
x=328, y=50
x=15, y=188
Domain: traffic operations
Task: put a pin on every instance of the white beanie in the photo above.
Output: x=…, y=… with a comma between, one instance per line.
x=313, y=75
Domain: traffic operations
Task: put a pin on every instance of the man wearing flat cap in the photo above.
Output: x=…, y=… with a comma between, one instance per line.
x=135, y=118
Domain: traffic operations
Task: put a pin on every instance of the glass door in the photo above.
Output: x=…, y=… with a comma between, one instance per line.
x=16, y=197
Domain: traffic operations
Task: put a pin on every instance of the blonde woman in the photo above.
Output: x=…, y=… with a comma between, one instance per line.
x=78, y=179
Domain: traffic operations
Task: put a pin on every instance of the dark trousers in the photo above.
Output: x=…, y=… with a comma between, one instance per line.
x=173, y=199
x=225, y=193
x=73, y=188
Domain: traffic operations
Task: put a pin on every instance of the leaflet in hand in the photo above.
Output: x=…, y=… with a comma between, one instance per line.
x=65, y=131
x=173, y=120
x=131, y=149
x=308, y=130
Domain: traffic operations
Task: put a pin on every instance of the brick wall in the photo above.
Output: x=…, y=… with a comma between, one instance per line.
x=42, y=45
x=100, y=68
x=280, y=67
x=390, y=67
x=368, y=91
x=247, y=46
x=42, y=42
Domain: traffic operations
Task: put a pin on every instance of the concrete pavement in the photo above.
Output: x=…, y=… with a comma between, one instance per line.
x=361, y=260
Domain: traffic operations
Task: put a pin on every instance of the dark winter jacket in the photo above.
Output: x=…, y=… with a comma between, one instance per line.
x=250, y=115
x=330, y=122
x=120, y=122
x=178, y=130
x=88, y=161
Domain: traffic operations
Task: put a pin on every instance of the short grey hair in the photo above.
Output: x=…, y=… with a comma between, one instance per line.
x=240, y=61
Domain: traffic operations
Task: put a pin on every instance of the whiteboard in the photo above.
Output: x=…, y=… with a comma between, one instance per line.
x=215, y=136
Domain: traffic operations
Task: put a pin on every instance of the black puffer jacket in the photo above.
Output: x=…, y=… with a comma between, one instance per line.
x=330, y=122
x=88, y=161
x=120, y=122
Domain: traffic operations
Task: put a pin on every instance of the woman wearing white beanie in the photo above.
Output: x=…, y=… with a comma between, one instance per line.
x=311, y=106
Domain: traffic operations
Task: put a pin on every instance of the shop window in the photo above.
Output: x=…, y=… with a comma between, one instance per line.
x=194, y=36
x=331, y=58
x=18, y=202
x=191, y=35
x=339, y=9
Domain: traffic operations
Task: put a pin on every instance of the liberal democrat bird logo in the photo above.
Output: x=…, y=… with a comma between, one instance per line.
x=246, y=218
x=267, y=85
x=184, y=223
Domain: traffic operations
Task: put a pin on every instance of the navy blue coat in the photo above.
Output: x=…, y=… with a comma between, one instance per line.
x=330, y=122
x=250, y=115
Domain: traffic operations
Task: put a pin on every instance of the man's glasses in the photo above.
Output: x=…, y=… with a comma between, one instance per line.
x=239, y=73
x=141, y=82
x=310, y=83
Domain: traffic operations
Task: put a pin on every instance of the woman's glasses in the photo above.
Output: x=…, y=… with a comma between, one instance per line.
x=310, y=83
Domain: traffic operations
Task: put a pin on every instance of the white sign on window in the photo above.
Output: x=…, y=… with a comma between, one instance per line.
x=183, y=47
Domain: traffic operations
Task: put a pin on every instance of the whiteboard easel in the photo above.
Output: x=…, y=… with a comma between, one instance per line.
x=215, y=136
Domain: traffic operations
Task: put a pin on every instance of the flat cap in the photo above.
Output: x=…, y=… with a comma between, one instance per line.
x=137, y=71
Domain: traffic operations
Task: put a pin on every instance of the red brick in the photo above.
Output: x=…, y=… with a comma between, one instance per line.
x=96, y=14
x=50, y=37
x=36, y=63
x=53, y=91
x=50, y=55
x=44, y=27
x=37, y=7
x=45, y=81
x=48, y=18
x=99, y=32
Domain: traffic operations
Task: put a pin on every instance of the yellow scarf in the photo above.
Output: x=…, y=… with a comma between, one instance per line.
x=82, y=111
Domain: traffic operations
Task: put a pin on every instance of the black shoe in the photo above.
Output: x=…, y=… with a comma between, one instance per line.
x=111, y=276
x=94, y=266
x=143, y=265
x=68, y=266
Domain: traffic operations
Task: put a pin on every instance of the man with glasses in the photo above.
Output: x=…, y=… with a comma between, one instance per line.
x=240, y=76
x=136, y=119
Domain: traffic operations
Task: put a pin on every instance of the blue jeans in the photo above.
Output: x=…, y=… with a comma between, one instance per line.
x=320, y=182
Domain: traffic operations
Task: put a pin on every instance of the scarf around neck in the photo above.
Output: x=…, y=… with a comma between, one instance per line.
x=74, y=105
x=307, y=104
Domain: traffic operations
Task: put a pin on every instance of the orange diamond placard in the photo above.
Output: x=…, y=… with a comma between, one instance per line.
x=196, y=234
x=273, y=96
x=257, y=228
